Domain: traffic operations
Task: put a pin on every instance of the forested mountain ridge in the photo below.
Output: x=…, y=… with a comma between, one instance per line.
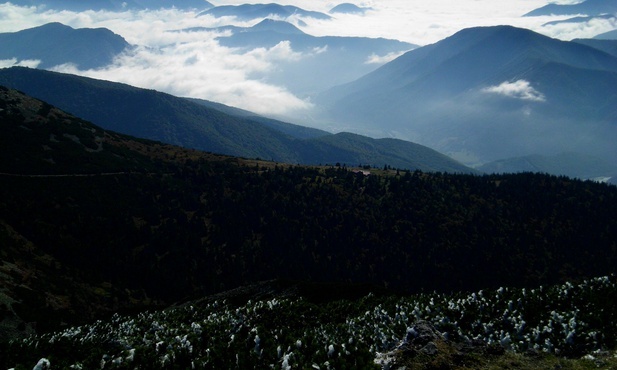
x=111, y=219
x=157, y=116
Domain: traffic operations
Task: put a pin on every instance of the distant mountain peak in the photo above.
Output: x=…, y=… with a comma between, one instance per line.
x=55, y=43
x=255, y=11
x=588, y=7
x=486, y=93
x=269, y=24
x=348, y=8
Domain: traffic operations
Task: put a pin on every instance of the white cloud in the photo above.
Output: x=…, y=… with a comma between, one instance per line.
x=194, y=64
x=588, y=29
x=382, y=59
x=202, y=69
x=519, y=89
x=180, y=63
x=320, y=50
x=279, y=52
x=31, y=63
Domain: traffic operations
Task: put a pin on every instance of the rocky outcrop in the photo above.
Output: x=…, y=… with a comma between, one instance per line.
x=425, y=347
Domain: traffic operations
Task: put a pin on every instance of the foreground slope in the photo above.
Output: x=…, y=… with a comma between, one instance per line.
x=282, y=324
x=157, y=116
x=489, y=93
x=94, y=221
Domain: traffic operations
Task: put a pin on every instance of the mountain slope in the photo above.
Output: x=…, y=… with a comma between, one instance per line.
x=607, y=46
x=588, y=7
x=157, y=116
x=610, y=35
x=354, y=149
x=118, y=222
x=485, y=94
x=54, y=44
x=338, y=59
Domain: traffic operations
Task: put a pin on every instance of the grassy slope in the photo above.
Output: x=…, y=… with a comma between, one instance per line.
x=279, y=324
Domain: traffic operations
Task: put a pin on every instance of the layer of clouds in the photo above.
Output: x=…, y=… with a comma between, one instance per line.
x=578, y=30
x=189, y=64
x=520, y=89
x=194, y=64
x=201, y=68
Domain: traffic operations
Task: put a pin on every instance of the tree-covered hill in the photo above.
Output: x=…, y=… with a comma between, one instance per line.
x=94, y=222
x=210, y=127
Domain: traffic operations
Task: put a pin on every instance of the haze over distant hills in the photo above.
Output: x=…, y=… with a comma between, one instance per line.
x=158, y=116
x=54, y=44
x=575, y=165
x=588, y=7
x=486, y=94
x=114, y=5
x=256, y=11
x=337, y=59
x=582, y=19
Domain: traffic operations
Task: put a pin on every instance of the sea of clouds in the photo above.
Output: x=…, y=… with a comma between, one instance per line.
x=194, y=64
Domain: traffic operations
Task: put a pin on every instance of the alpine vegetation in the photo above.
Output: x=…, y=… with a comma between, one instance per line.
x=289, y=332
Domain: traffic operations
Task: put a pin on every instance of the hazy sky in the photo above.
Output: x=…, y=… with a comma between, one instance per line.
x=193, y=64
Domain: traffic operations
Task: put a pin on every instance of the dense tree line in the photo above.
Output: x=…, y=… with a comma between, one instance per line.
x=205, y=226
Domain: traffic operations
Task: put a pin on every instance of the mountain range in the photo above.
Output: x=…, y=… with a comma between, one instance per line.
x=486, y=94
x=158, y=116
x=248, y=12
x=582, y=19
x=338, y=59
x=588, y=7
x=54, y=44
x=94, y=222
x=114, y=5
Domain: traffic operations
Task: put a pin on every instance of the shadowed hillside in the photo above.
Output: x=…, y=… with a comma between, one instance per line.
x=157, y=116
x=94, y=222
